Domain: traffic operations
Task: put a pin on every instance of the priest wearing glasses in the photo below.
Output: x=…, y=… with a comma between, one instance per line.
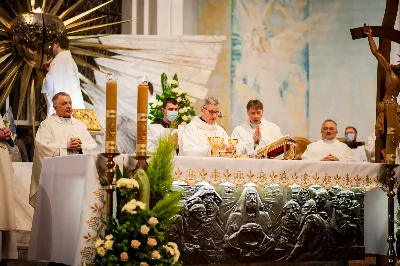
x=194, y=140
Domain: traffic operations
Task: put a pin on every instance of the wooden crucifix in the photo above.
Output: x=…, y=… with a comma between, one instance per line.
x=386, y=34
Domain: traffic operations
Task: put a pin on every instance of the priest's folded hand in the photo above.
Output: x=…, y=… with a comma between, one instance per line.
x=5, y=133
x=75, y=144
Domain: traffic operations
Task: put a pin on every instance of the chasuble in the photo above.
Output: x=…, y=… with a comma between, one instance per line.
x=322, y=148
x=194, y=140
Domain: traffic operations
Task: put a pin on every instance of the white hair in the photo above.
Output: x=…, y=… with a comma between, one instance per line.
x=209, y=100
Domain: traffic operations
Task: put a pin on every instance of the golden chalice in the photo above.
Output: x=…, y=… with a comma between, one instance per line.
x=215, y=143
x=233, y=143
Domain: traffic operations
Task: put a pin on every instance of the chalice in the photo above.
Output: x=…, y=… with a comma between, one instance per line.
x=233, y=143
x=215, y=143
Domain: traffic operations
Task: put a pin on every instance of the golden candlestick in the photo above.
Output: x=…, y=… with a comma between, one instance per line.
x=111, y=114
x=110, y=173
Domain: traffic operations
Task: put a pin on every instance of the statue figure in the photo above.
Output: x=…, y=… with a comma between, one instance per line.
x=392, y=72
x=303, y=196
x=346, y=219
x=274, y=202
x=290, y=225
x=197, y=237
x=324, y=207
x=315, y=239
x=248, y=230
x=213, y=222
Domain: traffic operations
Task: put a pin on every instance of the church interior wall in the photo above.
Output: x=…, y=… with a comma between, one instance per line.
x=298, y=58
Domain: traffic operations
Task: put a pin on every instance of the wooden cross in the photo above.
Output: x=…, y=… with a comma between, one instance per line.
x=386, y=34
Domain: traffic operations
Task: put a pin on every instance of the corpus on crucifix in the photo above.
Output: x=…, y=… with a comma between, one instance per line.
x=388, y=82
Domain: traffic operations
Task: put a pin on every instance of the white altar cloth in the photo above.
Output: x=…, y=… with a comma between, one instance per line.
x=67, y=218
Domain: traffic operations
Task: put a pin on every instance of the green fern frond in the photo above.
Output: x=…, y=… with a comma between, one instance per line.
x=159, y=170
x=168, y=207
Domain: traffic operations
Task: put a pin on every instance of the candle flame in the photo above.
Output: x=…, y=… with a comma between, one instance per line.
x=37, y=10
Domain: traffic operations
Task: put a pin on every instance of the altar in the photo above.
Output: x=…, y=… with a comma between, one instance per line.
x=70, y=204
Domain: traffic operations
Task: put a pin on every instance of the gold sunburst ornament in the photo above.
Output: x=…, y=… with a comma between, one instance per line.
x=28, y=31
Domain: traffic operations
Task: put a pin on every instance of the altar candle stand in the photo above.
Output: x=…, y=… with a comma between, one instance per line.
x=111, y=140
x=142, y=116
x=392, y=127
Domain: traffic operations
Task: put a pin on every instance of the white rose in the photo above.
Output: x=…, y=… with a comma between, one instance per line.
x=154, y=105
x=141, y=205
x=184, y=118
x=108, y=244
x=132, y=183
x=182, y=110
x=170, y=81
x=178, y=99
x=98, y=243
x=159, y=103
x=101, y=251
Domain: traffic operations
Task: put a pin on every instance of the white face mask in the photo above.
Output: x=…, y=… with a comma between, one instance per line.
x=172, y=115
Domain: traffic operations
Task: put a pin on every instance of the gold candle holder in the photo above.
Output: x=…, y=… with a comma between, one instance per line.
x=110, y=173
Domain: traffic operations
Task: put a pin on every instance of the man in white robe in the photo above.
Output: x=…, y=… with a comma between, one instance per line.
x=350, y=138
x=59, y=135
x=370, y=149
x=194, y=140
x=62, y=76
x=256, y=132
x=8, y=239
x=162, y=126
x=328, y=148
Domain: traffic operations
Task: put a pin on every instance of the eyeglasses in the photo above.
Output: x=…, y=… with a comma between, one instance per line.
x=212, y=112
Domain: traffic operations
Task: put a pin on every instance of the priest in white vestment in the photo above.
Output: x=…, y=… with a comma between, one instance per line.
x=328, y=148
x=256, y=132
x=194, y=140
x=8, y=238
x=161, y=127
x=59, y=135
x=62, y=76
x=350, y=138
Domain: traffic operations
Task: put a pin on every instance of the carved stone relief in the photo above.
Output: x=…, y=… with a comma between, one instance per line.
x=226, y=224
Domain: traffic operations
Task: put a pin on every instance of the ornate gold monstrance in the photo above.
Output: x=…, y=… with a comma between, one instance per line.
x=26, y=34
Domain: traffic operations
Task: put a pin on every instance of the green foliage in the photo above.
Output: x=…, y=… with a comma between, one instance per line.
x=168, y=207
x=170, y=89
x=161, y=166
x=136, y=224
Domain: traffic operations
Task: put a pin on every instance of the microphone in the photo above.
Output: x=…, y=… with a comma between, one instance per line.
x=221, y=115
x=10, y=142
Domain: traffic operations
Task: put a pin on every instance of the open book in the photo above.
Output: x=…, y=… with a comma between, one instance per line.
x=278, y=147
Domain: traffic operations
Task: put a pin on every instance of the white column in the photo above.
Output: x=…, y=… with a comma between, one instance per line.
x=129, y=11
x=164, y=17
x=177, y=17
x=146, y=20
x=190, y=17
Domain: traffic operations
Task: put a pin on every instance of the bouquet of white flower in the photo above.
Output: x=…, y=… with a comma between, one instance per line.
x=170, y=89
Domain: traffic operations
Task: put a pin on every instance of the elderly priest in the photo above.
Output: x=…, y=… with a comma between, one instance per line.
x=8, y=240
x=328, y=148
x=60, y=134
x=194, y=140
x=256, y=131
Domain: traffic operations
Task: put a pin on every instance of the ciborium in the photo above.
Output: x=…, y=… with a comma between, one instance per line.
x=215, y=143
x=33, y=33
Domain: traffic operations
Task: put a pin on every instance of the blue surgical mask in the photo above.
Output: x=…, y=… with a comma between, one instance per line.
x=172, y=115
x=349, y=137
